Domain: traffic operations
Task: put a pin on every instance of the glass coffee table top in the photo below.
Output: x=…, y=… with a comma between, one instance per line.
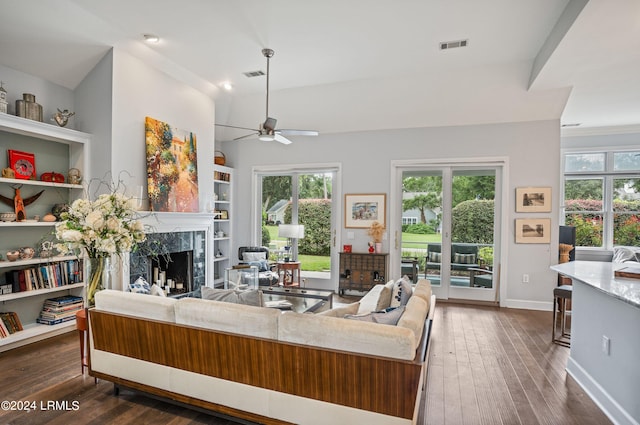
x=298, y=300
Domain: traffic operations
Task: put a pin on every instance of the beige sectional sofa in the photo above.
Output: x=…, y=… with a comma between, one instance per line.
x=263, y=365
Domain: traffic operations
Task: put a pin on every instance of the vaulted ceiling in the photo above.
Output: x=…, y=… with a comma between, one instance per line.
x=352, y=65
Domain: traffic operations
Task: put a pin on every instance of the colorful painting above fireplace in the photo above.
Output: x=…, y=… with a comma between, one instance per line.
x=172, y=171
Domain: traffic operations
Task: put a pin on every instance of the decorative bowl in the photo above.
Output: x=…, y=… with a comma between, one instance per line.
x=13, y=255
x=8, y=216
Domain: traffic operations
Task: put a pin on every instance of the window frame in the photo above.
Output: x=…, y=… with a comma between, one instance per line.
x=608, y=176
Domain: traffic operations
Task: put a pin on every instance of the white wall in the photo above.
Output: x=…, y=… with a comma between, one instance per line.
x=50, y=96
x=117, y=96
x=533, y=149
x=140, y=91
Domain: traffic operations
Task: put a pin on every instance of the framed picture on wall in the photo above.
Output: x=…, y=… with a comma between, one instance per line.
x=533, y=230
x=533, y=199
x=361, y=210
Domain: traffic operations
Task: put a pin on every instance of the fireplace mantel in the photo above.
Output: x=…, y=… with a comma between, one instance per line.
x=169, y=222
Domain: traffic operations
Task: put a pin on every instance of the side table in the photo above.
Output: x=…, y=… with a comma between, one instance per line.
x=288, y=268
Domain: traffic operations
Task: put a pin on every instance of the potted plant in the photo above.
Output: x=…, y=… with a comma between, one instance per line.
x=485, y=257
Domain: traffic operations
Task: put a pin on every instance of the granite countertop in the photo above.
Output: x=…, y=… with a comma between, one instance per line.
x=600, y=275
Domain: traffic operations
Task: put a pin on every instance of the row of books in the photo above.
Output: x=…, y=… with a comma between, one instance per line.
x=9, y=324
x=60, y=309
x=45, y=276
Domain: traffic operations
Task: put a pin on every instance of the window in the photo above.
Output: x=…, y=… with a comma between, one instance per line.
x=409, y=220
x=602, y=198
x=301, y=196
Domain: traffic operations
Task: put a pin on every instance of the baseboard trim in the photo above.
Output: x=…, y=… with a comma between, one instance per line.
x=599, y=395
x=529, y=305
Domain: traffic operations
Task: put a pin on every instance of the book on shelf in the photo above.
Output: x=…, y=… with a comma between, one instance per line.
x=55, y=321
x=62, y=300
x=9, y=324
x=45, y=276
x=60, y=309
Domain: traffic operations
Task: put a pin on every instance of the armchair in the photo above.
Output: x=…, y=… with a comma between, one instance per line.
x=258, y=256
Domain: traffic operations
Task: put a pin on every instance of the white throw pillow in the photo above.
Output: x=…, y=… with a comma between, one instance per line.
x=254, y=256
x=156, y=290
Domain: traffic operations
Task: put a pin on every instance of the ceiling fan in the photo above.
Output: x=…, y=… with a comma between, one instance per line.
x=267, y=130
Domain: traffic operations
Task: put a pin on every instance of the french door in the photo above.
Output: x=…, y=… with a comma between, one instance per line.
x=447, y=226
x=300, y=196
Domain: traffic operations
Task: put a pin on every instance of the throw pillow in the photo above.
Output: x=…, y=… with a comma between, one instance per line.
x=402, y=291
x=140, y=286
x=464, y=258
x=341, y=311
x=254, y=256
x=389, y=316
x=253, y=297
x=435, y=257
x=156, y=290
x=384, y=298
x=261, y=265
x=622, y=254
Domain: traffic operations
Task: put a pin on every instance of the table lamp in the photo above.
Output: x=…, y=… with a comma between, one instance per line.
x=291, y=232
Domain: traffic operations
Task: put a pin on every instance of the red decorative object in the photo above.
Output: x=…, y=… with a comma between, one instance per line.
x=346, y=248
x=371, y=249
x=23, y=164
x=52, y=177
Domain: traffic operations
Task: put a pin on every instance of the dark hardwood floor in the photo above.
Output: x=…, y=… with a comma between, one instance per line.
x=487, y=366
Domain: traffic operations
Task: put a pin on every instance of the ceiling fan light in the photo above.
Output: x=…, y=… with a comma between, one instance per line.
x=266, y=138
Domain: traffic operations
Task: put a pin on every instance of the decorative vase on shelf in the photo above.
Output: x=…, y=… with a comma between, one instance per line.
x=99, y=277
x=378, y=247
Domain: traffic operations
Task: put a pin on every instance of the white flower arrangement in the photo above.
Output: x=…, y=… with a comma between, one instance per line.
x=103, y=227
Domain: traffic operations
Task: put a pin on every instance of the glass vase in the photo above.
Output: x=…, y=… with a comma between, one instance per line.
x=99, y=273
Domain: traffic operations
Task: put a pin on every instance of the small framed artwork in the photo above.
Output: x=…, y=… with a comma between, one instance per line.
x=533, y=199
x=361, y=210
x=533, y=230
x=224, y=215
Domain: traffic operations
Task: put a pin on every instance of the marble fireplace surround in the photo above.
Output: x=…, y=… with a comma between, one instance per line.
x=179, y=224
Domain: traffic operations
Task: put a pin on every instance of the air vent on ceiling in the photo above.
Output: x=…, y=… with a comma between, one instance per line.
x=251, y=74
x=573, y=124
x=445, y=45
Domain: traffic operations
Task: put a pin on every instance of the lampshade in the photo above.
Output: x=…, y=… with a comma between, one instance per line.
x=294, y=231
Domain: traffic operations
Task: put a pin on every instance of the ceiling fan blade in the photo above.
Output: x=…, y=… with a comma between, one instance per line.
x=289, y=132
x=244, y=137
x=233, y=126
x=280, y=138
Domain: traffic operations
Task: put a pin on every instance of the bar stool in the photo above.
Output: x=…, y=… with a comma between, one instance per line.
x=560, y=296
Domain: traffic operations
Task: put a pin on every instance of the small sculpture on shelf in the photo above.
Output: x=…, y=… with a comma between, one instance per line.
x=18, y=203
x=62, y=117
x=74, y=176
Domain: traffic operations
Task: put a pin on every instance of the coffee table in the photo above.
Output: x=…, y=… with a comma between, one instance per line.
x=299, y=300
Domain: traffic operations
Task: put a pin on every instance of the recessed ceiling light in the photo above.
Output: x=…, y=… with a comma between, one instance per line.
x=227, y=86
x=151, y=38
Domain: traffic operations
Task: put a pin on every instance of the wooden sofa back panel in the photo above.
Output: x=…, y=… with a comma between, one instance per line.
x=382, y=385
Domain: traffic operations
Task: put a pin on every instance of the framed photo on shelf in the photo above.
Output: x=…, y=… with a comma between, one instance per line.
x=361, y=210
x=533, y=199
x=533, y=230
x=224, y=215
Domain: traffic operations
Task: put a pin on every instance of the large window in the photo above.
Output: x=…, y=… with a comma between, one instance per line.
x=299, y=197
x=602, y=197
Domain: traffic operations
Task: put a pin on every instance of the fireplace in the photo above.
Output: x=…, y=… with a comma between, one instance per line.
x=177, y=251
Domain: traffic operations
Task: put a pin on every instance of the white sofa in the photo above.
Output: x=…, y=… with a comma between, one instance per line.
x=262, y=365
